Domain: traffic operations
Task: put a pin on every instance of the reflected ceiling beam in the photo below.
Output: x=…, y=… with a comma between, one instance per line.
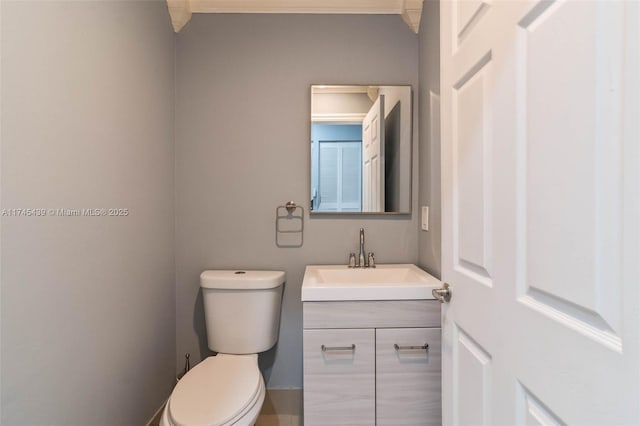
x=410, y=10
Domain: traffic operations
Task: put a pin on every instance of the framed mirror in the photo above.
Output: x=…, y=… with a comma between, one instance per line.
x=361, y=149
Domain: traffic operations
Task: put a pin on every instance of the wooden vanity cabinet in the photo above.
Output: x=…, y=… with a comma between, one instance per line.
x=364, y=363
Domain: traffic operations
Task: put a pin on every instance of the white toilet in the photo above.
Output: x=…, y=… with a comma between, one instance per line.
x=242, y=312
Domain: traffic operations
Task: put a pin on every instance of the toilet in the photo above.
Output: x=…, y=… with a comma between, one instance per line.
x=242, y=315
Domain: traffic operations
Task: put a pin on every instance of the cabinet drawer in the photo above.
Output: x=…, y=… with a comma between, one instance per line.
x=408, y=380
x=339, y=384
x=371, y=314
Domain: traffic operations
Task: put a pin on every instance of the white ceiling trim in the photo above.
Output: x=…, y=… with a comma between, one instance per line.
x=297, y=6
x=410, y=10
x=344, y=118
x=323, y=88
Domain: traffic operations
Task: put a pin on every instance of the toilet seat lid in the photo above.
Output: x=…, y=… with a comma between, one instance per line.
x=215, y=391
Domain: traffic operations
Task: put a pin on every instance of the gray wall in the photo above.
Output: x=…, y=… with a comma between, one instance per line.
x=429, y=256
x=88, y=303
x=242, y=148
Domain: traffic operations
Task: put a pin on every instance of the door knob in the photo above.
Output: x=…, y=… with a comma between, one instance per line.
x=442, y=294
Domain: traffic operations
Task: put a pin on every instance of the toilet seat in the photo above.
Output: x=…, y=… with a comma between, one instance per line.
x=220, y=390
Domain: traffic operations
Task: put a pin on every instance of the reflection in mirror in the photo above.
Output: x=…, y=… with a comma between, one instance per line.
x=360, y=149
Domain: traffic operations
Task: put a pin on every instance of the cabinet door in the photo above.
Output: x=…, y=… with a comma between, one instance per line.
x=408, y=377
x=339, y=382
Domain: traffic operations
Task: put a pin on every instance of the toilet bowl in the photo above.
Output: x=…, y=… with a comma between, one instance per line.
x=221, y=390
x=242, y=316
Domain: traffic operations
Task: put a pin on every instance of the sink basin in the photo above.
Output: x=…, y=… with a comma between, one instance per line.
x=385, y=282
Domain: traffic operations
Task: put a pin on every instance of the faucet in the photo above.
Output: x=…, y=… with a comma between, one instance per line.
x=362, y=261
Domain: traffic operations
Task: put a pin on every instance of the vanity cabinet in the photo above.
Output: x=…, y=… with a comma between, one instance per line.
x=365, y=364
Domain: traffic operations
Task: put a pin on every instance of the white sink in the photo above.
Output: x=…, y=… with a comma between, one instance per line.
x=384, y=282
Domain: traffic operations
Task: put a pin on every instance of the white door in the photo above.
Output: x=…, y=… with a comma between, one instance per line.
x=339, y=176
x=540, y=195
x=373, y=158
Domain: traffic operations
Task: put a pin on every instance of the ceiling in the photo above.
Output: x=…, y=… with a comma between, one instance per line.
x=410, y=10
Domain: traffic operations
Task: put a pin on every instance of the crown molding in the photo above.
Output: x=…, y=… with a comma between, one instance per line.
x=410, y=10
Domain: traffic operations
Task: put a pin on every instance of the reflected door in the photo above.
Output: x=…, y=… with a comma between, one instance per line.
x=373, y=158
x=540, y=196
x=340, y=181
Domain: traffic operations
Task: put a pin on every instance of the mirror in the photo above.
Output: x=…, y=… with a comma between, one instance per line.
x=360, y=149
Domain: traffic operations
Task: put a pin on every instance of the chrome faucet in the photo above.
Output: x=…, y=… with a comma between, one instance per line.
x=362, y=260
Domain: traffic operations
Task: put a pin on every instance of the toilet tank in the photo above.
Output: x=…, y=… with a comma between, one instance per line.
x=242, y=309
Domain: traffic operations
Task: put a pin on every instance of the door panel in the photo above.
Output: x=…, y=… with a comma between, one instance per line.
x=584, y=282
x=472, y=381
x=532, y=412
x=373, y=158
x=472, y=175
x=541, y=217
x=467, y=14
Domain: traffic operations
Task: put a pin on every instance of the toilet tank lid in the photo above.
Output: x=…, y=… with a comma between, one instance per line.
x=239, y=279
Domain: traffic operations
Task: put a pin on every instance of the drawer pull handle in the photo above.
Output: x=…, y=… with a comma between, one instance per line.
x=338, y=348
x=424, y=347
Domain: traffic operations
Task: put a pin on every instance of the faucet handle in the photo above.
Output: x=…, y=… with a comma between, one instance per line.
x=352, y=260
x=372, y=260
